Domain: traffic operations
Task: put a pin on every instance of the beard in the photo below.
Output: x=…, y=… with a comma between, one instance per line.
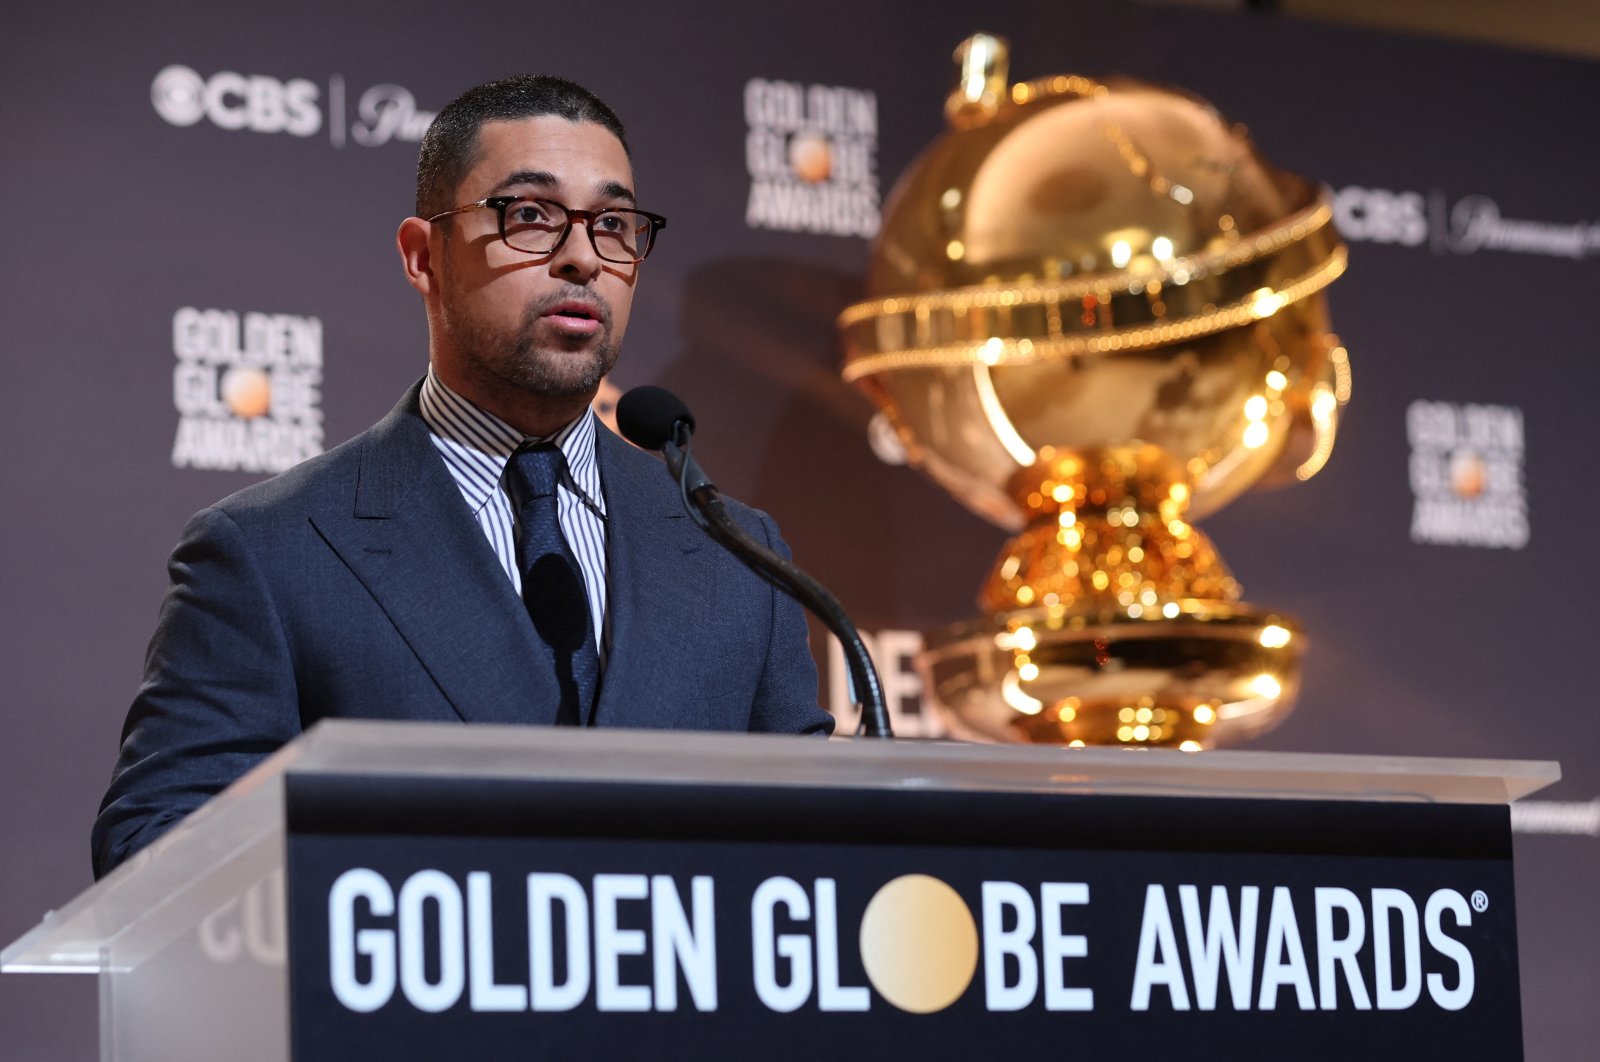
x=557, y=365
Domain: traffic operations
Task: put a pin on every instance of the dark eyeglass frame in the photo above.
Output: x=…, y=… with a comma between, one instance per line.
x=499, y=204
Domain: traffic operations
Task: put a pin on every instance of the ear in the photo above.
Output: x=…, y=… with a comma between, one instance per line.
x=413, y=241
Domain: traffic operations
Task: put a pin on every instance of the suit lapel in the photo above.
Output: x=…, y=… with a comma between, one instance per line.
x=415, y=546
x=658, y=571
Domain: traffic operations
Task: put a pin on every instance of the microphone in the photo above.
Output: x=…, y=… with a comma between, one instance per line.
x=654, y=418
x=651, y=416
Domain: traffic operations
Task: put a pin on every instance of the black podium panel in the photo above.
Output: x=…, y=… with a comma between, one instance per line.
x=510, y=919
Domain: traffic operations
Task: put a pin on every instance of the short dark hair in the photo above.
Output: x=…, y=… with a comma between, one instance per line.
x=450, y=146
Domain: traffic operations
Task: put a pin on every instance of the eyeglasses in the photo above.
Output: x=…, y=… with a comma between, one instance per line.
x=540, y=226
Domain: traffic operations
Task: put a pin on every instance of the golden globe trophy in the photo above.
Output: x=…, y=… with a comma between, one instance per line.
x=1095, y=315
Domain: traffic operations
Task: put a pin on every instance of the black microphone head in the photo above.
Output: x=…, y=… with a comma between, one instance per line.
x=649, y=416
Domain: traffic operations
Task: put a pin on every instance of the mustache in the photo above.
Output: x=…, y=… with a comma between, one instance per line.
x=572, y=292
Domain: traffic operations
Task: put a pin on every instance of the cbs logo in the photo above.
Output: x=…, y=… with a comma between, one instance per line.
x=1380, y=216
x=236, y=101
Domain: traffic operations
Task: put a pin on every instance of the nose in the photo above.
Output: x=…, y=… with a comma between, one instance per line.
x=576, y=259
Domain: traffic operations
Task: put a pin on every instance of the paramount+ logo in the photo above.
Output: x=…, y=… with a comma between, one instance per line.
x=260, y=103
x=635, y=942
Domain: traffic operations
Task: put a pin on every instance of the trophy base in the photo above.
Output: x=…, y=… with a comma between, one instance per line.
x=1214, y=674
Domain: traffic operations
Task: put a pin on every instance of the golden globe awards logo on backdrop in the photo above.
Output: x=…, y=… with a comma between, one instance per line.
x=1467, y=475
x=248, y=390
x=260, y=103
x=812, y=153
x=911, y=709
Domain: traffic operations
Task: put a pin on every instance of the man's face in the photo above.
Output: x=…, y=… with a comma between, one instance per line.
x=539, y=324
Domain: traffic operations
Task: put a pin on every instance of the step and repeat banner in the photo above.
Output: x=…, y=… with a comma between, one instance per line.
x=201, y=289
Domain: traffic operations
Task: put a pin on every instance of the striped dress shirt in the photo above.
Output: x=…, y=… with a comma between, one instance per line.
x=477, y=445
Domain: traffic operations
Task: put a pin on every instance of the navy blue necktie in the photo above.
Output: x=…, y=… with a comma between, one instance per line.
x=552, y=582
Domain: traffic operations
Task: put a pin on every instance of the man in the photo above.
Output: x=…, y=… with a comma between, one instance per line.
x=382, y=579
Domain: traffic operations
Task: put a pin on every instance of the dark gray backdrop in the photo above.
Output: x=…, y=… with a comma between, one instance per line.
x=115, y=219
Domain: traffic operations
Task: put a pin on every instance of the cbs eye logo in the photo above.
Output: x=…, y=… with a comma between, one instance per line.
x=1378, y=215
x=228, y=100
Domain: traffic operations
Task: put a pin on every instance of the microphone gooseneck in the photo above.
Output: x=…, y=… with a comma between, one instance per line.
x=655, y=419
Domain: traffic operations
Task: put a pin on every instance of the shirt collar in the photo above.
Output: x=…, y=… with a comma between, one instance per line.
x=476, y=445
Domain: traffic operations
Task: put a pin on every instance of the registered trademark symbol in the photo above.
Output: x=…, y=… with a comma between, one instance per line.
x=1480, y=901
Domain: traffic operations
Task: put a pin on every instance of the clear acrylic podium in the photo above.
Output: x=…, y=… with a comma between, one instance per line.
x=194, y=944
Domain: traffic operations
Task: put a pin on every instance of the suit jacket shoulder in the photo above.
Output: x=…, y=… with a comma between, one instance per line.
x=359, y=585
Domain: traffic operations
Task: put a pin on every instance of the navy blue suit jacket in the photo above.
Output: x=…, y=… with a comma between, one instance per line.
x=358, y=585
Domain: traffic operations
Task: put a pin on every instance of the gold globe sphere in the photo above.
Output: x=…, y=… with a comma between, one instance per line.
x=1095, y=314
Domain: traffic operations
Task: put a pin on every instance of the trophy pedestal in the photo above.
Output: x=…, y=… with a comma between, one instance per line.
x=1215, y=674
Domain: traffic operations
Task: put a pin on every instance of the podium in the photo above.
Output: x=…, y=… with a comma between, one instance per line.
x=408, y=891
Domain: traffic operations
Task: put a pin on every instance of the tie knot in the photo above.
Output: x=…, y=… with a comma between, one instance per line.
x=534, y=471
